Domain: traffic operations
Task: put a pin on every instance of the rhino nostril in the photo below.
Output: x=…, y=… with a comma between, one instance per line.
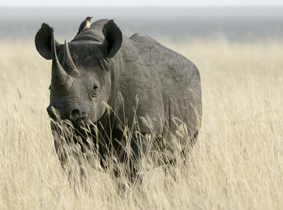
x=53, y=113
x=75, y=114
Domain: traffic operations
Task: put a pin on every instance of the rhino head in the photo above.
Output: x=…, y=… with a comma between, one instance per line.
x=81, y=73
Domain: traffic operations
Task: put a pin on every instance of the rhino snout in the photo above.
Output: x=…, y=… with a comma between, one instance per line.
x=74, y=114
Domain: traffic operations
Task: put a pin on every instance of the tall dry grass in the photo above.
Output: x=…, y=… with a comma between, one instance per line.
x=237, y=162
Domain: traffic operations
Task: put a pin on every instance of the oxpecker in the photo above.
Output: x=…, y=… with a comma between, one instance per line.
x=84, y=25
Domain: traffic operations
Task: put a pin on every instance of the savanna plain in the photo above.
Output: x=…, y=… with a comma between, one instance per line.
x=237, y=162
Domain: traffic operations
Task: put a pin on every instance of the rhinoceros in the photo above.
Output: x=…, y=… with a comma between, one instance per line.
x=133, y=95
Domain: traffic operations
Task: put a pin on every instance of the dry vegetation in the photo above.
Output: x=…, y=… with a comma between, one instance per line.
x=237, y=162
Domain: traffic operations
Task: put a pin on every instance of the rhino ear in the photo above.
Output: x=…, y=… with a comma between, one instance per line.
x=43, y=41
x=113, y=38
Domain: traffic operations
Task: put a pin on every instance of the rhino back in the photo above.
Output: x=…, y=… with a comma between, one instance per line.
x=167, y=83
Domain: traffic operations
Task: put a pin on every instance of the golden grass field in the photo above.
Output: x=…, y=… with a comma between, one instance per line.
x=237, y=162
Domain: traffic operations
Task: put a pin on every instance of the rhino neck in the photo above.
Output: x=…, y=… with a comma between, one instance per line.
x=87, y=36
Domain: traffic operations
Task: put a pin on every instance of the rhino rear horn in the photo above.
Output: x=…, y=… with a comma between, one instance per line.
x=113, y=38
x=68, y=63
x=60, y=80
x=43, y=41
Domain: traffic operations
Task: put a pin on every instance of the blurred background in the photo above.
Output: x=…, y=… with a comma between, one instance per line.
x=236, y=20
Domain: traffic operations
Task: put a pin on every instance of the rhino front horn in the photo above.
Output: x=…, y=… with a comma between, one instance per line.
x=60, y=80
x=68, y=63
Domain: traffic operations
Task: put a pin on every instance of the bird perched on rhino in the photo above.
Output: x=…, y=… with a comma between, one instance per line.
x=84, y=25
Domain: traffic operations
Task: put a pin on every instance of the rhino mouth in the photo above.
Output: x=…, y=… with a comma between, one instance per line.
x=82, y=121
x=82, y=131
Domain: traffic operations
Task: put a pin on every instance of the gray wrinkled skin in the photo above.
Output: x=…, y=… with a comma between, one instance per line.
x=121, y=85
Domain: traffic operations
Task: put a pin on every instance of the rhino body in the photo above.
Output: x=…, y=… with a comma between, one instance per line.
x=124, y=90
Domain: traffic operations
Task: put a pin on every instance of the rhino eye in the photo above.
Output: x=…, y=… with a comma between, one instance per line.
x=49, y=87
x=94, y=91
x=95, y=87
